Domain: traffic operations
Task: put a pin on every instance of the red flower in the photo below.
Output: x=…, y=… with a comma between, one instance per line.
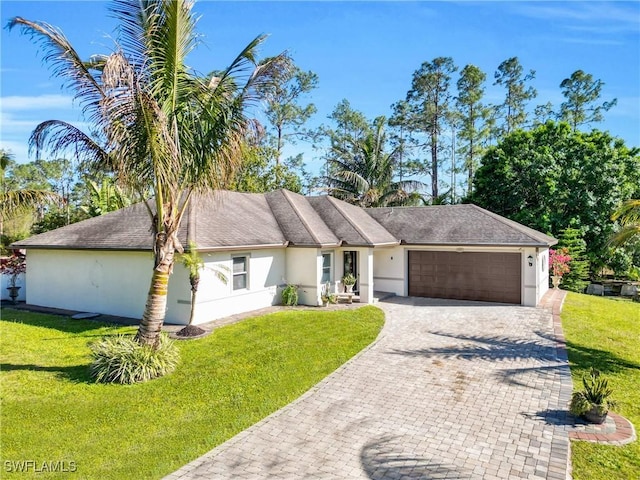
x=559, y=262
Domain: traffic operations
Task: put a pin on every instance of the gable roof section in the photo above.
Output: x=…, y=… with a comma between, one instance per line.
x=351, y=223
x=299, y=222
x=456, y=225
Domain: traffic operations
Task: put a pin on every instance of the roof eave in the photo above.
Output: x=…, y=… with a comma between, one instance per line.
x=464, y=245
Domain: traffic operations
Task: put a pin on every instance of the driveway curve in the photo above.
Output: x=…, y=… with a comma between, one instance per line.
x=458, y=390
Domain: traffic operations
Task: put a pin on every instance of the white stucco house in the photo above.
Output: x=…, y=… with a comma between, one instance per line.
x=262, y=242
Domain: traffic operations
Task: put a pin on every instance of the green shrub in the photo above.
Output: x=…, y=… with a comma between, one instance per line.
x=595, y=394
x=290, y=295
x=121, y=359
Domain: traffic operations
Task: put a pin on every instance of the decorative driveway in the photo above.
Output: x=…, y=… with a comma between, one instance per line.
x=455, y=390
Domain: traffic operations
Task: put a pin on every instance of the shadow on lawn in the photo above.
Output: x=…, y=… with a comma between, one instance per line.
x=75, y=373
x=57, y=322
x=583, y=358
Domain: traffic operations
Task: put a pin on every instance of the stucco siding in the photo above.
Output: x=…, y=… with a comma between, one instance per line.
x=304, y=268
x=217, y=299
x=114, y=283
x=389, y=270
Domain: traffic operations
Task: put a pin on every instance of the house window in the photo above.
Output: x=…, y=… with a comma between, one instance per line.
x=240, y=273
x=326, y=267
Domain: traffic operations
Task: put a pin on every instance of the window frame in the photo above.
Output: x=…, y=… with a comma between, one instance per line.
x=322, y=267
x=244, y=273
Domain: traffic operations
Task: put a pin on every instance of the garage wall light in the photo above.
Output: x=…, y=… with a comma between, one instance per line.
x=530, y=260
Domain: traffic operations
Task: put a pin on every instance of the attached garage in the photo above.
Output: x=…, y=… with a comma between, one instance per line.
x=481, y=276
x=461, y=252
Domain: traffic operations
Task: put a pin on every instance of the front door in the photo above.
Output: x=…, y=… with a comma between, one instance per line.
x=351, y=266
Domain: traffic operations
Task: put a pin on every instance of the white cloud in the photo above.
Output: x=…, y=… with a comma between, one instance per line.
x=39, y=102
x=606, y=14
x=592, y=23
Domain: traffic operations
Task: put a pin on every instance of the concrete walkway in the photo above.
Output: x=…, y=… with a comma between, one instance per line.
x=450, y=390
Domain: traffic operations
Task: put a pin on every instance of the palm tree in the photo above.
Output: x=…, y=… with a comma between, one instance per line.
x=361, y=172
x=160, y=126
x=193, y=262
x=15, y=202
x=629, y=216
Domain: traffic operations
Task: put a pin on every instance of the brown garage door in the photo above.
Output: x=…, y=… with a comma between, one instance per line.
x=487, y=277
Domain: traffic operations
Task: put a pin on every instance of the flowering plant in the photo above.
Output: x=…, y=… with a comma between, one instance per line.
x=559, y=262
x=13, y=266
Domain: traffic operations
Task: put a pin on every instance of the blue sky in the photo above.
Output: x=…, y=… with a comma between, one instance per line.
x=363, y=51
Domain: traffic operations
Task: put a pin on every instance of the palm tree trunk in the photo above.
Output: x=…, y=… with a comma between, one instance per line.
x=193, y=306
x=156, y=306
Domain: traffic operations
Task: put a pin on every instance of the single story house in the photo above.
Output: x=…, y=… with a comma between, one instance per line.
x=261, y=242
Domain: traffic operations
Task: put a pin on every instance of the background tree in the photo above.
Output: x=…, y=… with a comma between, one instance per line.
x=349, y=126
x=577, y=278
x=283, y=111
x=159, y=126
x=259, y=173
x=104, y=197
x=400, y=136
x=513, y=110
x=543, y=113
x=362, y=172
x=551, y=178
x=581, y=93
x=471, y=115
x=16, y=199
x=429, y=100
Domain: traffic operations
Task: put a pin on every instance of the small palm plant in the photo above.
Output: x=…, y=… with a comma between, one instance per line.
x=290, y=295
x=193, y=262
x=592, y=403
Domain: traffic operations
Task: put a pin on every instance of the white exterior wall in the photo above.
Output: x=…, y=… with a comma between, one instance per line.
x=109, y=282
x=542, y=268
x=390, y=269
x=117, y=283
x=304, y=268
x=215, y=299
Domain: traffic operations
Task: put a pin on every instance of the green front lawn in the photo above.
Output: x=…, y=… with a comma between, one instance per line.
x=52, y=412
x=605, y=334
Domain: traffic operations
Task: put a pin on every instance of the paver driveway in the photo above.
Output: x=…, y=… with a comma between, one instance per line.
x=458, y=390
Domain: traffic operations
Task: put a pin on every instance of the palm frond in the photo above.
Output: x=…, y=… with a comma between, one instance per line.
x=64, y=61
x=14, y=202
x=56, y=137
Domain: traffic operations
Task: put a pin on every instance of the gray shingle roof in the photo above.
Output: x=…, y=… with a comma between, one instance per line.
x=351, y=223
x=226, y=220
x=299, y=222
x=456, y=225
x=233, y=220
